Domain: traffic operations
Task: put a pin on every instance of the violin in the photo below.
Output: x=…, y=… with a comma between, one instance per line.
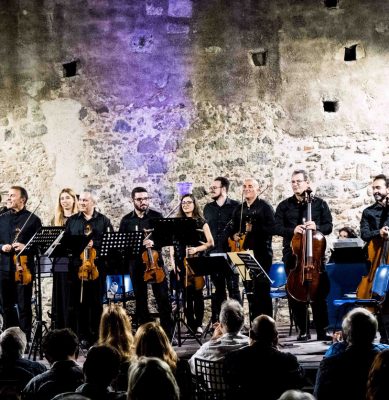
x=154, y=273
x=190, y=278
x=88, y=270
x=309, y=249
x=22, y=272
x=237, y=245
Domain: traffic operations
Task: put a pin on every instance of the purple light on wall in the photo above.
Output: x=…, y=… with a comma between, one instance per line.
x=184, y=188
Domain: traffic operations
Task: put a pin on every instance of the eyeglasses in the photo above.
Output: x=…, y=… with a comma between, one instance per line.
x=298, y=181
x=215, y=187
x=186, y=202
x=140, y=199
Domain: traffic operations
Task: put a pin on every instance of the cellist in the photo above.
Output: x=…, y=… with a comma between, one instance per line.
x=374, y=226
x=16, y=228
x=291, y=219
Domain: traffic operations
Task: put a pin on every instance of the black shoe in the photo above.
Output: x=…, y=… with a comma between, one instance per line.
x=324, y=337
x=303, y=337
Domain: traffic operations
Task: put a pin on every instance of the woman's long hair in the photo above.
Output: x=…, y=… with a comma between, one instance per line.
x=152, y=341
x=59, y=217
x=378, y=383
x=115, y=330
x=196, y=211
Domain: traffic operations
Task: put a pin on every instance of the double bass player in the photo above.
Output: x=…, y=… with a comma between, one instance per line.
x=375, y=227
x=291, y=220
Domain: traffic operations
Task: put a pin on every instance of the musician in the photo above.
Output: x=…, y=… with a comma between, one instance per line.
x=138, y=220
x=3, y=209
x=218, y=215
x=193, y=286
x=290, y=216
x=67, y=205
x=255, y=219
x=16, y=229
x=374, y=225
x=85, y=296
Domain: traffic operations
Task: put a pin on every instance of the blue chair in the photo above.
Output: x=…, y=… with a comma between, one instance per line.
x=380, y=287
x=278, y=291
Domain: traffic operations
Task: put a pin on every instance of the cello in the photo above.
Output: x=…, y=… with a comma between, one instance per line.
x=309, y=249
x=377, y=254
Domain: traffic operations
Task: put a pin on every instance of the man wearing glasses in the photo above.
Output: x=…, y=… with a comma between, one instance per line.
x=140, y=220
x=291, y=219
x=218, y=214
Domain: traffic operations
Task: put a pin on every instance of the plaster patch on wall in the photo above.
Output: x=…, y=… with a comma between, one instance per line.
x=180, y=8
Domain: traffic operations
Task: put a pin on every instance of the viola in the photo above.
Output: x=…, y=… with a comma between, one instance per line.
x=88, y=270
x=22, y=272
x=237, y=245
x=154, y=273
x=190, y=278
x=309, y=249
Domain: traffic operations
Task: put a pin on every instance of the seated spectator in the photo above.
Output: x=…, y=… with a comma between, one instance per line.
x=226, y=336
x=13, y=367
x=100, y=368
x=60, y=347
x=115, y=330
x=344, y=375
x=261, y=367
x=152, y=341
x=378, y=379
x=151, y=378
x=296, y=395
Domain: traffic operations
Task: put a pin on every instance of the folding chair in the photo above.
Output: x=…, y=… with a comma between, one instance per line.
x=209, y=382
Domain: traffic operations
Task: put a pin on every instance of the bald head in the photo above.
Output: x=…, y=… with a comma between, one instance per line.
x=264, y=330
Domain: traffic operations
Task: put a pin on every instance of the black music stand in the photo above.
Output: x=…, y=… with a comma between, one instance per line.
x=206, y=265
x=127, y=244
x=172, y=232
x=38, y=244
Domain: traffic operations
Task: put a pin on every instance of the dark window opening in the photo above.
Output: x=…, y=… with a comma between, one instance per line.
x=70, y=69
x=331, y=3
x=350, y=53
x=259, y=58
x=330, y=106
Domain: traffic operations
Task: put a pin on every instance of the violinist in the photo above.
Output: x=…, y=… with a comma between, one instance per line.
x=140, y=220
x=218, y=214
x=86, y=295
x=16, y=229
x=375, y=227
x=255, y=219
x=3, y=209
x=192, y=285
x=67, y=205
x=290, y=216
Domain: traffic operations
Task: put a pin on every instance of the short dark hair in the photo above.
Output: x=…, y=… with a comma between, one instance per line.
x=223, y=181
x=138, y=189
x=59, y=344
x=303, y=172
x=23, y=192
x=383, y=177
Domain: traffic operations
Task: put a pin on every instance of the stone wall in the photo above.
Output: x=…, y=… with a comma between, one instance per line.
x=115, y=94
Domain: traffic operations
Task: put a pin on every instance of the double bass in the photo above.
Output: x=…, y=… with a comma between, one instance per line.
x=309, y=249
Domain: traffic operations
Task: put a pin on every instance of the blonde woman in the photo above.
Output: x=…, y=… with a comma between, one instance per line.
x=67, y=205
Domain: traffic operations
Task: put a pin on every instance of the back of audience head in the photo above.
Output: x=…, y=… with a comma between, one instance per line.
x=101, y=365
x=378, y=382
x=293, y=394
x=264, y=331
x=115, y=330
x=346, y=233
x=13, y=343
x=150, y=377
x=60, y=344
x=152, y=341
x=231, y=316
x=359, y=327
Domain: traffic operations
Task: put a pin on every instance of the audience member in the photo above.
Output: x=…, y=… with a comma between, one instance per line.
x=100, y=368
x=226, y=336
x=152, y=341
x=151, y=378
x=115, y=330
x=378, y=379
x=261, y=367
x=293, y=394
x=14, y=369
x=344, y=375
x=60, y=347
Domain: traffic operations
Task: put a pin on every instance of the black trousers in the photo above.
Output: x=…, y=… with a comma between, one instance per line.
x=15, y=303
x=161, y=294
